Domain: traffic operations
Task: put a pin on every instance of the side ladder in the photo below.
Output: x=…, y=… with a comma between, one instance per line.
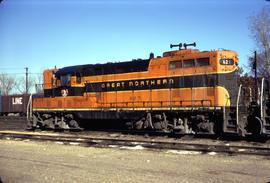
x=234, y=117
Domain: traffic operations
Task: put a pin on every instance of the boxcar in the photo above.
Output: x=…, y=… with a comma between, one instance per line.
x=14, y=104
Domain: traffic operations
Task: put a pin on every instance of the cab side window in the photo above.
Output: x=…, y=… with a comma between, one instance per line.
x=202, y=62
x=78, y=78
x=65, y=80
x=189, y=63
x=175, y=64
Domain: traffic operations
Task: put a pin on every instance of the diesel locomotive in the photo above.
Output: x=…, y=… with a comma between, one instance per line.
x=185, y=91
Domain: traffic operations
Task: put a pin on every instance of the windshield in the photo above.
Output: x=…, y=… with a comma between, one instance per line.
x=65, y=80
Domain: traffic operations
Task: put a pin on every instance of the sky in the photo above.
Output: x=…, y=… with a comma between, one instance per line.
x=41, y=34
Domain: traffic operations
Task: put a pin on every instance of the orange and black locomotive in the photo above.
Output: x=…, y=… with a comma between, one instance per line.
x=185, y=90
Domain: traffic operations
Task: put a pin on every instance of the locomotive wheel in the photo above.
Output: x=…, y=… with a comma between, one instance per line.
x=255, y=126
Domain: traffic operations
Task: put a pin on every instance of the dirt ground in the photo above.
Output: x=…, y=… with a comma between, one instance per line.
x=25, y=161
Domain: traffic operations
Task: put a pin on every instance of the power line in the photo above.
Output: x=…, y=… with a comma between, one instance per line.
x=11, y=68
x=13, y=73
x=35, y=73
x=19, y=73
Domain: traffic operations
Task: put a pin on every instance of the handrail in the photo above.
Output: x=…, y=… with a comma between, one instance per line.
x=170, y=104
x=237, y=104
x=261, y=98
x=29, y=108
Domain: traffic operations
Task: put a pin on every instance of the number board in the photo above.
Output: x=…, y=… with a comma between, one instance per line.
x=226, y=61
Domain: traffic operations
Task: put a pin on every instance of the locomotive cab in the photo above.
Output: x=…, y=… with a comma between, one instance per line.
x=211, y=75
x=49, y=82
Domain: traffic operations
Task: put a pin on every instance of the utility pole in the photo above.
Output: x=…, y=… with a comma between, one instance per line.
x=255, y=74
x=26, y=80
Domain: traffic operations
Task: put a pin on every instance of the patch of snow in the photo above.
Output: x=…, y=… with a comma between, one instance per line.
x=136, y=143
x=80, y=139
x=212, y=153
x=241, y=150
x=138, y=147
x=113, y=146
x=97, y=141
x=74, y=143
x=183, y=152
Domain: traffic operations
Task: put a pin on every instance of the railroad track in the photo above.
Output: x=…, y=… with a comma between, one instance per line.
x=13, y=123
x=12, y=118
x=138, y=143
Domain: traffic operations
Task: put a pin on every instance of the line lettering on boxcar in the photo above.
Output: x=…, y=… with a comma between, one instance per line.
x=17, y=101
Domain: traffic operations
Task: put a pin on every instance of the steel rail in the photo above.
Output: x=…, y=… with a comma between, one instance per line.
x=13, y=118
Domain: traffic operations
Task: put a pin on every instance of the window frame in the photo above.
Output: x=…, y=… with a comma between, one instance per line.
x=189, y=61
x=78, y=78
x=65, y=80
x=208, y=62
x=176, y=66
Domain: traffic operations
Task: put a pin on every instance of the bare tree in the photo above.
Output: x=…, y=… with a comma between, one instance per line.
x=260, y=31
x=7, y=84
x=20, y=84
x=39, y=83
